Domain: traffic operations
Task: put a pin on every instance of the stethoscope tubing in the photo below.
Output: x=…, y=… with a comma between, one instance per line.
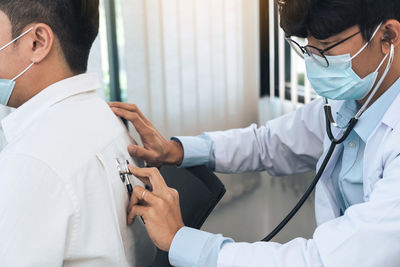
x=334, y=143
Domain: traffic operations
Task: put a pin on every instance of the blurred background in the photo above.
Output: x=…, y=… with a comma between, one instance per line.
x=204, y=65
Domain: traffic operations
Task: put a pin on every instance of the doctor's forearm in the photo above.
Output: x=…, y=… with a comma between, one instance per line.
x=192, y=247
x=287, y=145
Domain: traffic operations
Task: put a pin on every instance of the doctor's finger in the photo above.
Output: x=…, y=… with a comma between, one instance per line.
x=145, y=180
x=142, y=153
x=157, y=181
x=137, y=211
x=143, y=195
x=129, y=107
x=134, y=118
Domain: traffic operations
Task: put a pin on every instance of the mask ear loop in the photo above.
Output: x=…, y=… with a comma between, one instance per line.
x=23, y=72
x=367, y=43
x=9, y=43
x=378, y=85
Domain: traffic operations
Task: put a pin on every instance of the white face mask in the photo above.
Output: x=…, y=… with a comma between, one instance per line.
x=338, y=81
x=7, y=86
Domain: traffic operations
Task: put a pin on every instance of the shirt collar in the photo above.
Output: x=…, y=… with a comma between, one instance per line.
x=18, y=121
x=372, y=116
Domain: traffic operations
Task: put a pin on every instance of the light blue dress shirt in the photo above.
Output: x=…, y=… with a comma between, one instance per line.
x=347, y=178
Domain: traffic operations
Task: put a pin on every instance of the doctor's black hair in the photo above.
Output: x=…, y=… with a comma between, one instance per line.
x=322, y=19
x=74, y=22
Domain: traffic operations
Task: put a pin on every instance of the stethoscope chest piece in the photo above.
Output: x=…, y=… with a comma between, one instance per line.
x=124, y=174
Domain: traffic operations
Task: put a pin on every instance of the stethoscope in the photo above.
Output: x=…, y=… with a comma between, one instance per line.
x=334, y=142
x=125, y=176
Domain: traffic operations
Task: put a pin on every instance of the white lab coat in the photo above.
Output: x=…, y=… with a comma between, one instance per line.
x=367, y=235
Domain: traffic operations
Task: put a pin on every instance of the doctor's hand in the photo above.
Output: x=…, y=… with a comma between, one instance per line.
x=156, y=150
x=160, y=209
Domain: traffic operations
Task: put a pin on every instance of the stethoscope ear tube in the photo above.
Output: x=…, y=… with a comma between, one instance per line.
x=321, y=170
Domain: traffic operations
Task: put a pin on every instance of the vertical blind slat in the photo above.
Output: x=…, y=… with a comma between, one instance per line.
x=188, y=66
x=155, y=61
x=133, y=14
x=231, y=61
x=204, y=62
x=172, y=66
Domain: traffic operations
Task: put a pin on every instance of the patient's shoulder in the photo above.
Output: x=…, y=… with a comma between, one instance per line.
x=71, y=132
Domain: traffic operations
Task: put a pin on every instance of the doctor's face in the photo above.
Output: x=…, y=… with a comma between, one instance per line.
x=367, y=61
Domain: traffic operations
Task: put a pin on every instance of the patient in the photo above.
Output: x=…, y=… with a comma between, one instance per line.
x=62, y=202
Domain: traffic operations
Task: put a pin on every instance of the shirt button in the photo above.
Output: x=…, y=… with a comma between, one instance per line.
x=352, y=144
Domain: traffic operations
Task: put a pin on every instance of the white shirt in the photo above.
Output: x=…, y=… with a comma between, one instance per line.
x=61, y=199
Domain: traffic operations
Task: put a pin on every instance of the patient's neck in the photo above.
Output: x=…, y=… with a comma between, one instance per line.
x=35, y=80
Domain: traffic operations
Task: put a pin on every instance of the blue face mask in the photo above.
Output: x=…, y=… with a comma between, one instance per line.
x=6, y=89
x=338, y=81
x=7, y=86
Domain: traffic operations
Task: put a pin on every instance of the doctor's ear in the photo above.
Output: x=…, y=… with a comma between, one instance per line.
x=391, y=35
x=42, y=42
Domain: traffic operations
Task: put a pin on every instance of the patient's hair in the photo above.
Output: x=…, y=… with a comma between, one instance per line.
x=322, y=19
x=74, y=22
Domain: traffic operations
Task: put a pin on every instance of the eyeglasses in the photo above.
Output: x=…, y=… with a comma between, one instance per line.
x=316, y=53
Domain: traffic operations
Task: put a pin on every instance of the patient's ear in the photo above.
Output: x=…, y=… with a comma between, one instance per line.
x=391, y=35
x=42, y=42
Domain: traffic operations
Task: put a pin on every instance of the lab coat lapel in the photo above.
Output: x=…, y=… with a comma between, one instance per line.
x=373, y=166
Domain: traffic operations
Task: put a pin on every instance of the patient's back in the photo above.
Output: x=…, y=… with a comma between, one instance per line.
x=73, y=146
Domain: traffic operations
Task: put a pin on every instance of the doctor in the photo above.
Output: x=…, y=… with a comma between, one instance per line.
x=352, y=60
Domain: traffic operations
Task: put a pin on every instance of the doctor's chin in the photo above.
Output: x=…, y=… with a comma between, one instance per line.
x=199, y=133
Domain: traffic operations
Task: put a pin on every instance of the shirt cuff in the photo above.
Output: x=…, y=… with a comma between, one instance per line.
x=195, y=248
x=198, y=150
x=187, y=247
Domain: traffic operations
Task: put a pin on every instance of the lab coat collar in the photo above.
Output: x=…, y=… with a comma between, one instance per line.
x=380, y=111
x=376, y=112
x=391, y=117
x=15, y=124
